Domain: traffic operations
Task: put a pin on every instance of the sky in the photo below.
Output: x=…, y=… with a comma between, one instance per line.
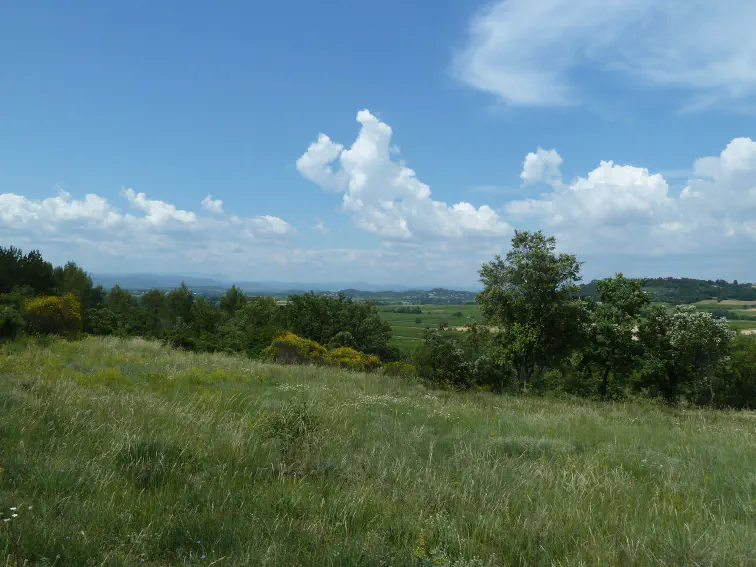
x=394, y=142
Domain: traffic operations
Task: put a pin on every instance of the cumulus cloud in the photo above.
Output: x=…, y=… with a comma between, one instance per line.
x=212, y=206
x=528, y=52
x=157, y=212
x=626, y=209
x=383, y=195
x=156, y=227
x=542, y=166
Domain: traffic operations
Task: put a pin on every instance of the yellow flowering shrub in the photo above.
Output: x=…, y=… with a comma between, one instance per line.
x=53, y=315
x=289, y=348
x=347, y=357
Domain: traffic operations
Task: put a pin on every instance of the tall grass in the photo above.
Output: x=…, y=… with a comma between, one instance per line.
x=131, y=454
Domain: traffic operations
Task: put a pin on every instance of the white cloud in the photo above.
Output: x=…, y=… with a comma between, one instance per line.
x=157, y=212
x=528, y=52
x=384, y=196
x=542, y=166
x=626, y=209
x=322, y=228
x=161, y=230
x=212, y=206
x=17, y=211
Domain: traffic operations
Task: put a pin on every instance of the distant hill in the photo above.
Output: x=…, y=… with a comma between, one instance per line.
x=687, y=290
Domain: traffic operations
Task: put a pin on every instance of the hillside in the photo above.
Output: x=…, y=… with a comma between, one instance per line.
x=122, y=452
x=687, y=290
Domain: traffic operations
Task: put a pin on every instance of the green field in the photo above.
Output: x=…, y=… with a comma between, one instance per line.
x=407, y=333
x=122, y=452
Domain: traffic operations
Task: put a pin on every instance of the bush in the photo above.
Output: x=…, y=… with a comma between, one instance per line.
x=342, y=339
x=288, y=348
x=399, y=369
x=418, y=321
x=51, y=315
x=354, y=360
x=11, y=322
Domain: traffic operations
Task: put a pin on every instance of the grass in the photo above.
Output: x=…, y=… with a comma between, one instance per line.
x=407, y=333
x=131, y=454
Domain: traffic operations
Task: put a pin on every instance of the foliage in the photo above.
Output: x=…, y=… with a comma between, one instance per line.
x=11, y=322
x=51, y=315
x=289, y=348
x=232, y=301
x=610, y=348
x=30, y=270
x=734, y=383
x=441, y=359
x=252, y=327
x=321, y=318
x=398, y=369
x=682, y=349
x=347, y=357
x=528, y=297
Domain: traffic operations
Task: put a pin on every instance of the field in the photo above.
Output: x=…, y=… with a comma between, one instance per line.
x=122, y=452
x=407, y=333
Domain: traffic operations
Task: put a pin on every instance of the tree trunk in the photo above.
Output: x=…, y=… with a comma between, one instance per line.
x=605, y=382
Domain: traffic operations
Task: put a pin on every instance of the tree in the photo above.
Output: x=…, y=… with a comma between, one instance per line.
x=528, y=297
x=233, y=300
x=320, y=318
x=253, y=327
x=442, y=359
x=611, y=347
x=17, y=270
x=682, y=348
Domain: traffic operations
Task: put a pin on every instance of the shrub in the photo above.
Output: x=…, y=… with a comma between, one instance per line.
x=418, y=321
x=288, y=348
x=51, y=315
x=349, y=358
x=399, y=369
x=11, y=322
x=342, y=339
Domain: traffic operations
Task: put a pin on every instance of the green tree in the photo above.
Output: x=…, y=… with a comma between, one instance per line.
x=151, y=307
x=253, y=327
x=528, y=298
x=233, y=300
x=682, y=348
x=610, y=346
x=19, y=270
x=320, y=318
x=178, y=306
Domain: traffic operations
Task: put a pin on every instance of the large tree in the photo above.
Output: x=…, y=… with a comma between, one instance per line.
x=682, y=348
x=528, y=297
x=611, y=346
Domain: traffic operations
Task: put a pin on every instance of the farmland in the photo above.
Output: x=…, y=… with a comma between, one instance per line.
x=407, y=333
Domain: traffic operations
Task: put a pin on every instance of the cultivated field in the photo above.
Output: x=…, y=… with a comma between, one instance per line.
x=118, y=452
x=407, y=333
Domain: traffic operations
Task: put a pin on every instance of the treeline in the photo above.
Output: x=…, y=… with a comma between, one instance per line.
x=36, y=297
x=685, y=290
x=541, y=336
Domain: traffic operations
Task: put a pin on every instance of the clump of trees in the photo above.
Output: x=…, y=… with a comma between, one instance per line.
x=541, y=335
x=36, y=297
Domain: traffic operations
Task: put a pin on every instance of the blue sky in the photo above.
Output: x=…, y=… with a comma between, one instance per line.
x=444, y=129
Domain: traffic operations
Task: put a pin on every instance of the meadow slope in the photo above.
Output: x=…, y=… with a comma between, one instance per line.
x=123, y=452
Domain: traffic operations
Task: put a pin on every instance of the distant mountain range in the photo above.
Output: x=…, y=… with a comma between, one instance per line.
x=668, y=290
x=169, y=281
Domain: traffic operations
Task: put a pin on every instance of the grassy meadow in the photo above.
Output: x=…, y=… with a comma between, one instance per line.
x=123, y=452
x=407, y=333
